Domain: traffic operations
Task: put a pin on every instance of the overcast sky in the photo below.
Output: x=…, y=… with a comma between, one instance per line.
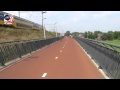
x=79, y=21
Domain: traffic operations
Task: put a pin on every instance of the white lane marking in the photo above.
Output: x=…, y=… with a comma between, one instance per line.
x=65, y=44
x=78, y=44
x=44, y=75
x=56, y=57
x=60, y=50
x=103, y=73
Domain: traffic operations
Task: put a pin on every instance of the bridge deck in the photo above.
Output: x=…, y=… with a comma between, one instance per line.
x=64, y=59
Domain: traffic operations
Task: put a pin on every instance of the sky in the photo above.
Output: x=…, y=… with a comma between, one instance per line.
x=74, y=21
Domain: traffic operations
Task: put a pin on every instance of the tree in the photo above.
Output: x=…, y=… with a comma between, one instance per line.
x=116, y=34
x=67, y=33
x=104, y=37
x=75, y=33
x=90, y=35
x=96, y=34
x=86, y=34
x=110, y=35
x=118, y=37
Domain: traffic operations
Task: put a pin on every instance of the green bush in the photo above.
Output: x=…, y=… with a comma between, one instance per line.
x=118, y=37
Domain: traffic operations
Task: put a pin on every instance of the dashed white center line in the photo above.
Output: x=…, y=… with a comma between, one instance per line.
x=56, y=57
x=44, y=75
x=60, y=50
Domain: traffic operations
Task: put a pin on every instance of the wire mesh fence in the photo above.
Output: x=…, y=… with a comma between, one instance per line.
x=16, y=49
x=106, y=55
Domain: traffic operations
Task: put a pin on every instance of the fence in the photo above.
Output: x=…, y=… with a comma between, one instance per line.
x=16, y=49
x=106, y=55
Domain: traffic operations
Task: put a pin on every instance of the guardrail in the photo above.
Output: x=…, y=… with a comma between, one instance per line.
x=106, y=55
x=16, y=49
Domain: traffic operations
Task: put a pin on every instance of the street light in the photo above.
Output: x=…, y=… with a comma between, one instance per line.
x=42, y=23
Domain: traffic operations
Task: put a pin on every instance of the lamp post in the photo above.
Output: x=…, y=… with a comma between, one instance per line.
x=42, y=23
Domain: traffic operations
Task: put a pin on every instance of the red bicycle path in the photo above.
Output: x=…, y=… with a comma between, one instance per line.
x=64, y=59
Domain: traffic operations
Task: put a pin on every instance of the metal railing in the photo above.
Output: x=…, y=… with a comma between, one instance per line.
x=106, y=55
x=16, y=49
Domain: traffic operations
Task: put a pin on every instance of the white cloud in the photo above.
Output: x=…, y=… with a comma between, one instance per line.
x=101, y=14
x=78, y=15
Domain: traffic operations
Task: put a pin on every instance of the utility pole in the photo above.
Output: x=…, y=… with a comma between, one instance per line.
x=44, y=33
x=42, y=20
x=19, y=13
x=42, y=25
x=56, y=29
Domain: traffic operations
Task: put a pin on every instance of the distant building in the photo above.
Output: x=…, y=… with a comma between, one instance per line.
x=99, y=36
x=81, y=35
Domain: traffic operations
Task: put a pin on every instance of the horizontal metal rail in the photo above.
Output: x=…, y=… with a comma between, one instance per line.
x=16, y=49
x=106, y=55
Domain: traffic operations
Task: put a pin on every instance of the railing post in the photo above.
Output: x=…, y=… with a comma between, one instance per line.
x=2, y=60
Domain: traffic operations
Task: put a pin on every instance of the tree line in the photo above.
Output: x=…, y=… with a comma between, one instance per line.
x=110, y=35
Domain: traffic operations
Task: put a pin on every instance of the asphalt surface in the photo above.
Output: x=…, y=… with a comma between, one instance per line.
x=64, y=59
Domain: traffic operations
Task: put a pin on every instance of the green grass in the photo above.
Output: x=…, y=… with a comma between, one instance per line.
x=8, y=34
x=116, y=42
